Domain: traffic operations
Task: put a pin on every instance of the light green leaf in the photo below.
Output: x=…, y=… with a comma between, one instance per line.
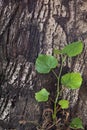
x=42, y=95
x=72, y=80
x=45, y=63
x=64, y=104
x=73, y=49
x=76, y=123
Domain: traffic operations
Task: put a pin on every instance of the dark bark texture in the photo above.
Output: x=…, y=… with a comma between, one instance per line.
x=28, y=28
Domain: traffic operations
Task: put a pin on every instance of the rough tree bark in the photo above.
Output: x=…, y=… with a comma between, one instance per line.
x=28, y=28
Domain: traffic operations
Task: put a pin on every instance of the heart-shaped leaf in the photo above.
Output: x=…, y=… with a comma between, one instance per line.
x=42, y=95
x=72, y=80
x=64, y=104
x=76, y=123
x=73, y=49
x=45, y=63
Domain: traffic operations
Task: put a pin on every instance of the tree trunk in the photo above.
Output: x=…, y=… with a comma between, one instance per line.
x=28, y=28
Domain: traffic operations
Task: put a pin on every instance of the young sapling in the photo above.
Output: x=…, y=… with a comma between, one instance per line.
x=72, y=80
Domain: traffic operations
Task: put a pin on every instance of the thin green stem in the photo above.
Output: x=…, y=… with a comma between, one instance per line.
x=58, y=89
x=55, y=74
x=58, y=83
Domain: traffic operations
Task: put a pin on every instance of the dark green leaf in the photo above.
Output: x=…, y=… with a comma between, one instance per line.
x=42, y=95
x=73, y=49
x=64, y=104
x=72, y=80
x=76, y=123
x=45, y=63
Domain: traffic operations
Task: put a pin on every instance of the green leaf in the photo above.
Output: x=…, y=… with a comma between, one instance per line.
x=45, y=63
x=64, y=104
x=42, y=95
x=72, y=80
x=73, y=49
x=76, y=123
